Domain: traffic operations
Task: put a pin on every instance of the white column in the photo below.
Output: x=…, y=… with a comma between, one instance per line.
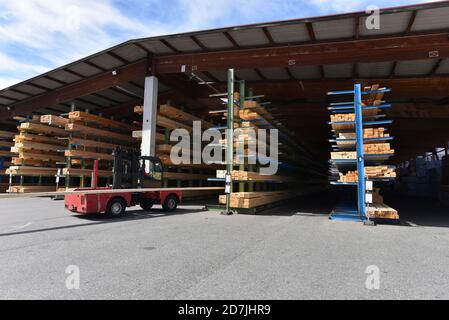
x=149, y=117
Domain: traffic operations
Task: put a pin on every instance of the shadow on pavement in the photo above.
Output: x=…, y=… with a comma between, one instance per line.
x=98, y=219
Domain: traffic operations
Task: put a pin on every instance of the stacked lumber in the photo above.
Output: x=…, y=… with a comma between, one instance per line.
x=5, y=157
x=374, y=148
x=239, y=175
x=247, y=200
x=368, y=133
x=378, y=148
x=92, y=137
x=370, y=172
x=381, y=211
x=168, y=119
x=343, y=117
x=37, y=152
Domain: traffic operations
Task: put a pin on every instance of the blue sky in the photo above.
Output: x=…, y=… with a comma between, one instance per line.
x=39, y=35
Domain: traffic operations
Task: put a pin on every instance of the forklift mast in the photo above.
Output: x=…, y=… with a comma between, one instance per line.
x=131, y=170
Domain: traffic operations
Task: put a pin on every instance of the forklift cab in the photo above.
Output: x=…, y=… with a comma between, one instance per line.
x=134, y=171
x=151, y=169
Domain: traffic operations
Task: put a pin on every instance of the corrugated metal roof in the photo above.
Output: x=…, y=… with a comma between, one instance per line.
x=444, y=67
x=249, y=37
x=430, y=16
x=306, y=72
x=375, y=70
x=289, y=33
x=431, y=19
x=414, y=67
x=214, y=41
x=338, y=70
x=394, y=23
x=335, y=29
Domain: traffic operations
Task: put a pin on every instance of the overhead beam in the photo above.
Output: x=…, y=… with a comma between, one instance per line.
x=412, y=47
x=82, y=88
x=289, y=90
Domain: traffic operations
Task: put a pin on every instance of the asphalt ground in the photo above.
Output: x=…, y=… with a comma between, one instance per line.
x=289, y=252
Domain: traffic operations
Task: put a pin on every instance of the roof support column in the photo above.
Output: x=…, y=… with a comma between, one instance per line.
x=149, y=116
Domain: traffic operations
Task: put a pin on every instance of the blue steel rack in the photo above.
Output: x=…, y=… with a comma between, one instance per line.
x=347, y=210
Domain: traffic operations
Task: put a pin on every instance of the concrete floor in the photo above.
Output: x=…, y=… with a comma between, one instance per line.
x=293, y=252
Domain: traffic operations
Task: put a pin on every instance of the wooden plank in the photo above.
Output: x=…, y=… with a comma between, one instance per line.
x=53, y=120
x=40, y=128
x=25, y=136
x=31, y=171
x=6, y=134
x=6, y=153
x=176, y=114
x=6, y=143
x=104, y=122
x=172, y=124
x=41, y=157
x=106, y=191
x=92, y=143
x=164, y=148
x=85, y=172
x=88, y=155
x=29, y=189
x=37, y=146
x=31, y=162
x=73, y=127
x=138, y=135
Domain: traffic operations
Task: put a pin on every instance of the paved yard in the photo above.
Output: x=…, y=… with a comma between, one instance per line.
x=293, y=252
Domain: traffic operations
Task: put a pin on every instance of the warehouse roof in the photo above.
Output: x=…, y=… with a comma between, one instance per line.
x=394, y=22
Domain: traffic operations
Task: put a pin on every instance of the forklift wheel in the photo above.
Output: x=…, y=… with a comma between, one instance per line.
x=170, y=204
x=116, y=208
x=146, y=204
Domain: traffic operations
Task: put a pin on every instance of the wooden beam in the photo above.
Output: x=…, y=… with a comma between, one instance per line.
x=73, y=127
x=88, y=155
x=103, y=122
x=412, y=47
x=39, y=128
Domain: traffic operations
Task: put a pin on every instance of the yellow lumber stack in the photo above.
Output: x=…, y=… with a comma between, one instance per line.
x=247, y=200
x=381, y=211
x=370, y=172
x=5, y=157
x=254, y=176
x=374, y=148
x=37, y=151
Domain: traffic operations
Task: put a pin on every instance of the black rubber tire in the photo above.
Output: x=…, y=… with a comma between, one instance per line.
x=171, y=203
x=116, y=208
x=146, y=204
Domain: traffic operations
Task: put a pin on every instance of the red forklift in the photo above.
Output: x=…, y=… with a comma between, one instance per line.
x=131, y=171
